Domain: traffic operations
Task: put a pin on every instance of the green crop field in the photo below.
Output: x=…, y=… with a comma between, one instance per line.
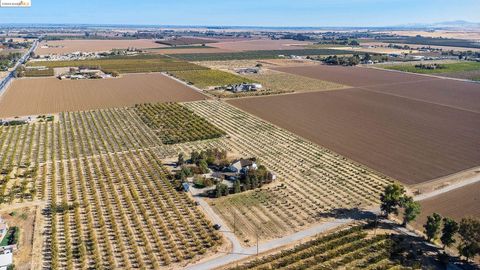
x=39, y=73
x=174, y=123
x=446, y=68
x=257, y=54
x=127, y=64
x=209, y=77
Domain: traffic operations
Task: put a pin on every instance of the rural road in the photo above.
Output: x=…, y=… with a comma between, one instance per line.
x=448, y=188
x=239, y=252
x=5, y=82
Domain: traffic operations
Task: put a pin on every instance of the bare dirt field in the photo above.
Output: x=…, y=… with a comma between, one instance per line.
x=267, y=63
x=456, y=204
x=50, y=95
x=452, y=93
x=417, y=46
x=69, y=46
x=472, y=35
x=354, y=76
x=187, y=50
x=261, y=44
x=410, y=140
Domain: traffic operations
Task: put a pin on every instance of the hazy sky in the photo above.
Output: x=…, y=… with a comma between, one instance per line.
x=245, y=12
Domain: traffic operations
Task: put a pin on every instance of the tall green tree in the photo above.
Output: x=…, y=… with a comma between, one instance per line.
x=203, y=166
x=469, y=231
x=236, y=187
x=432, y=226
x=180, y=160
x=391, y=199
x=450, y=228
x=412, y=210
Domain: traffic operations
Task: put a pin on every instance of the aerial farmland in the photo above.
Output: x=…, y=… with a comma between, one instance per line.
x=219, y=147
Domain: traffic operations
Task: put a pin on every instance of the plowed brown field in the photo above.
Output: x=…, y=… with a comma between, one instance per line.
x=50, y=95
x=354, y=76
x=261, y=44
x=456, y=204
x=410, y=140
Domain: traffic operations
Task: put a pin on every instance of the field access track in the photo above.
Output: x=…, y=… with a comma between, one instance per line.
x=424, y=130
x=51, y=95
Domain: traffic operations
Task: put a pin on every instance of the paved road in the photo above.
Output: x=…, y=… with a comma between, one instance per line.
x=5, y=82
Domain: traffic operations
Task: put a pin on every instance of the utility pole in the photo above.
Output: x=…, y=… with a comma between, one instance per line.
x=234, y=220
x=256, y=233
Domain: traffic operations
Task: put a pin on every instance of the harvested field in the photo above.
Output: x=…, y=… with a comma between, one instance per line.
x=354, y=76
x=50, y=95
x=69, y=46
x=261, y=44
x=410, y=140
x=267, y=63
x=185, y=41
x=451, y=93
x=126, y=64
x=286, y=82
x=259, y=54
x=467, y=75
x=180, y=50
x=456, y=204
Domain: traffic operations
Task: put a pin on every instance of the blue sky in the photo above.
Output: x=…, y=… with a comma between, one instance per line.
x=245, y=12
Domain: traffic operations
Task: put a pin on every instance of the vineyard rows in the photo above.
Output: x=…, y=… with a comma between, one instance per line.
x=111, y=204
x=110, y=201
x=174, y=123
x=351, y=248
x=312, y=180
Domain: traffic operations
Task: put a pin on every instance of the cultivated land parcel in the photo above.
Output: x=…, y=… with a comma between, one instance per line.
x=410, y=127
x=107, y=200
x=50, y=95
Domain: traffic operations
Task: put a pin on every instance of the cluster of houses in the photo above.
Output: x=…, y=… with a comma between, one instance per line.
x=84, y=55
x=244, y=87
x=253, y=70
x=6, y=252
x=75, y=73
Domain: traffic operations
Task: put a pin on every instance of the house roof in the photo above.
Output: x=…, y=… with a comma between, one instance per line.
x=6, y=259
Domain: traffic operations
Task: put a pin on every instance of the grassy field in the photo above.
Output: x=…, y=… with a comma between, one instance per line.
x=127, y=64
x=447, y=68
x=209, y=78
x=286, y=82
x=39, y=73
x=272, y=54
